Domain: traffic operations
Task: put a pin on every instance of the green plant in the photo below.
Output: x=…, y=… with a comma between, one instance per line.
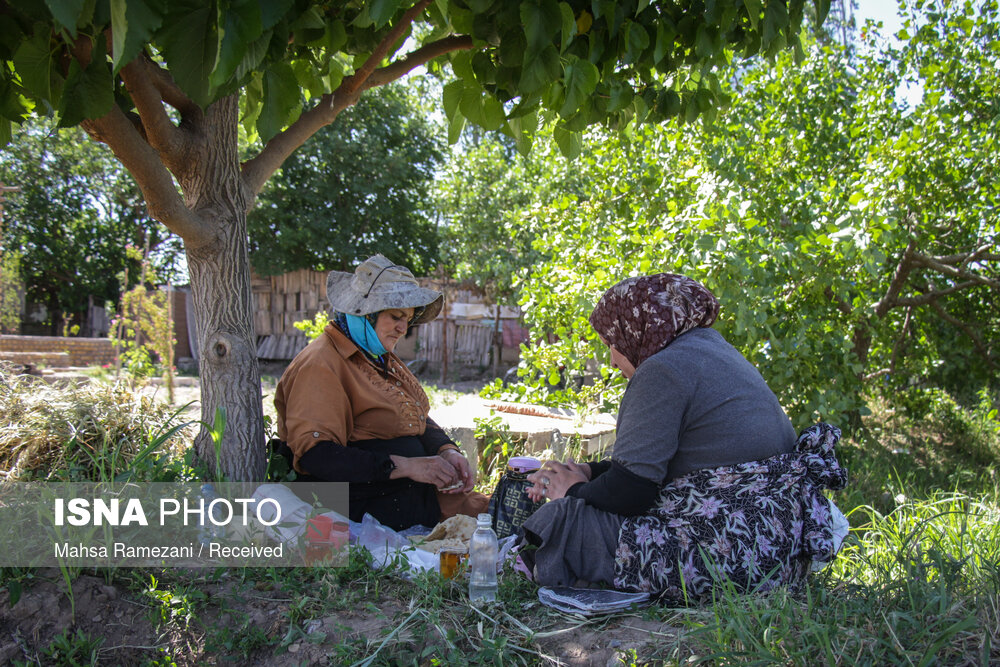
x=74, y=649
x=178, y=605
x=497, y=444
x=11, y=290
x=314, y=327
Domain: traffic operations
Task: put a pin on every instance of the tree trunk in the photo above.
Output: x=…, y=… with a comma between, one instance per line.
x=220, y=287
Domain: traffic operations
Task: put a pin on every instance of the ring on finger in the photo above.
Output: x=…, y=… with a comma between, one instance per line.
x=545, y=481
x=545, y=491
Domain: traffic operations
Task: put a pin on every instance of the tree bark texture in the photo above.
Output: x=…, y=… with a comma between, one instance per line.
x=220, y=285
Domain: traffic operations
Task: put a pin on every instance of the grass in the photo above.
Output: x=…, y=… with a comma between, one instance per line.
x=917, y=582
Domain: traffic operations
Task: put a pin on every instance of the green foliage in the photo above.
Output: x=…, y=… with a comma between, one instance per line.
x=359, y=187
x=146, y=328
x=583, y=62
x=313, y=328
x=11, y=290
x=72, y=218
x=74, y=649
x=816, y=226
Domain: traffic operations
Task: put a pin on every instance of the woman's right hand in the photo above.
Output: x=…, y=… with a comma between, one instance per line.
x=554, y=479
x=426, y=469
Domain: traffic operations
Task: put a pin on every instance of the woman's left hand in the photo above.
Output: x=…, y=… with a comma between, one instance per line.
x=553, y=480
x=462, y=467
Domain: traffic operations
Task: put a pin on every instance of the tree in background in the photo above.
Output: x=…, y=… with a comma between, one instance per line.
x=851, y=241
x=72, y=218
x=165, y=85
x=360, y=187
x=11, y=290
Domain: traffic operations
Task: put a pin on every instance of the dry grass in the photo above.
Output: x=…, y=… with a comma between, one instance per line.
x=72, y=432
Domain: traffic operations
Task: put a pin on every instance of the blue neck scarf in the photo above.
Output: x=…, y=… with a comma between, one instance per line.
x=363, y=334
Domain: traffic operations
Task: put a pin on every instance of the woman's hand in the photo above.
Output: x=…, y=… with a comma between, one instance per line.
x=427, y=469
x=554, y=479
x=462, y=468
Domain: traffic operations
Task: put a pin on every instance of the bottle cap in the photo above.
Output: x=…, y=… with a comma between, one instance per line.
x=484, y=519
x=523, y=463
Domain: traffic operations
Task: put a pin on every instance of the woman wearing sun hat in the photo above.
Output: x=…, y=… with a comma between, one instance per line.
x=351, y=411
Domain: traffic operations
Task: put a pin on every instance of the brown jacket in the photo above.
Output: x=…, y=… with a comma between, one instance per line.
x=332, y=391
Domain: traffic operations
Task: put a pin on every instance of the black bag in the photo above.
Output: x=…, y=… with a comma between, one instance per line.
x=510, y=505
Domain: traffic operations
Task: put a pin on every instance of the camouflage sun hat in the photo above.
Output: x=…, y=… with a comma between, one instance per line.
x=378, y=284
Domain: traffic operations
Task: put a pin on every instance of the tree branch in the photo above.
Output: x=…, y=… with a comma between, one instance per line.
x=951, y=271
x=138, y=157
x=841, y=305
x=160, y=130
x=898, y=280
x=257, y=170
x=413, y=60
x=928, y=297
x=353, y=84
x=968, y=331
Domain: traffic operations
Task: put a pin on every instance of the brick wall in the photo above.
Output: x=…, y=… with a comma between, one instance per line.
x=81, y=351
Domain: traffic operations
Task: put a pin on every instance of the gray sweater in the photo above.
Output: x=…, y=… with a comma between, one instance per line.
x=698, y=403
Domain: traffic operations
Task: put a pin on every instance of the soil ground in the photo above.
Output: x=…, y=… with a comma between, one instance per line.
x=132, y=631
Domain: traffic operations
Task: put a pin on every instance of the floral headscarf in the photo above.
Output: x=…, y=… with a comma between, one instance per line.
x=641, y=316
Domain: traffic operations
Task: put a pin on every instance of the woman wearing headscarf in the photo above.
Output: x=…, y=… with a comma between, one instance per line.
x=707, y=480
x=351, y=411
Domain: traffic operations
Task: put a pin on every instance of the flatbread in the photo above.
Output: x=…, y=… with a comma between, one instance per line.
x=453, y=533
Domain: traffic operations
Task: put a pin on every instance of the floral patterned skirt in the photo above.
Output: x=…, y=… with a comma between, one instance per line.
x=757, y=525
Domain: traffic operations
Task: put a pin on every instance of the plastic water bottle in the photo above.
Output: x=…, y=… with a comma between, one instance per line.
x=483, y=561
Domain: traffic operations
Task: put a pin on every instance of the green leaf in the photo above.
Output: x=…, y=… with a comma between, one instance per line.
x=272, y=11
x=452, y=95
x=541, y=19
x=570, y=143
x=493, y=115
x=281, y=104
x=89, y=93
x=620, y=97
x=13, y=105
x=568, y=25
x=540, y=70
x=133, y=24
x=191, y=48
x=34, y=62
x=636, y=41
x=5, y=135
x=461, y=64
x=580, y=80
x=242, y=26
x=455, y=128
x=485, y=70
x=66, y=13
x=523, y=128
x=665, y=36
x=755, y=7
x=775, y=20
x=822, y=11
x=471, y=104
x=382, y=11
x=704, y=45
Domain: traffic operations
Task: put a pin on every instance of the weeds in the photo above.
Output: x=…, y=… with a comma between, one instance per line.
x=74, y=649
